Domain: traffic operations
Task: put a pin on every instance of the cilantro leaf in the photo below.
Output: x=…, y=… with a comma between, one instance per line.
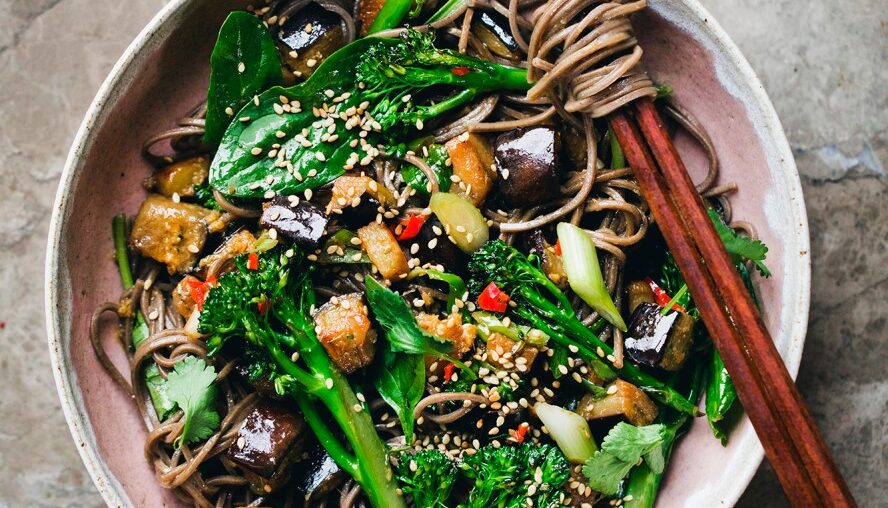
x=604, y=472
x=740, y=247
x=622, y=449
x=192, y=387
x=629, y=443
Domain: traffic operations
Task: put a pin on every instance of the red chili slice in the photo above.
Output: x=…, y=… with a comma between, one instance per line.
x=448, y=372
x=493, y=299
x=460, y=71
x=662, y=297
x=411, y=227
x=252, y=261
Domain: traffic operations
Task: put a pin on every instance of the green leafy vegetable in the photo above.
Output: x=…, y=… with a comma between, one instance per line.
x=427, y=477
x=622, y=449
x=437, y=160
x=541, y=305
x=400, y=381
x=740, y=247
x=192, y=387
x=300, y=137
x=243, y=63
x=402, y=331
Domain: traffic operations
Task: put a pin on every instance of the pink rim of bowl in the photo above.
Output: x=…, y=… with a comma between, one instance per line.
x=147, y=90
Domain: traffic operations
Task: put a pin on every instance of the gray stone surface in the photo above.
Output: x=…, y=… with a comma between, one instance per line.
x=823, y=63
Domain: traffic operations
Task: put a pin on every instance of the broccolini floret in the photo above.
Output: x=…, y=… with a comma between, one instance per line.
x=427, y=477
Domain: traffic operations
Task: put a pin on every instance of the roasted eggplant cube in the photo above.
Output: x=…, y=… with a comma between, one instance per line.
x=302, y=223
x=648, y=334
x=656, y=340
x=343, y=328
x=678, y=347
x=622, y=400
x=443, y=252
x=181, y=177
x=317, y=476
x=493, y=30
x=170, y=232
x=528, y=164
x=308, y=36
x=638, y=292
x=367, y=12
x=471, y=158
x=384, y=251
x=270, y=439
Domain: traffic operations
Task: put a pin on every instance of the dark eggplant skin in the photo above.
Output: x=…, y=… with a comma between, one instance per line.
x=529, y=165
x=268, y=439
x=498, y=26
x=303, y=223
x=317, y=475
x=310, y=33
x=648, y=334
x=445, y=253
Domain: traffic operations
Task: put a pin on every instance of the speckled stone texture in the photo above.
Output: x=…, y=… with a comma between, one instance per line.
x=823, y=63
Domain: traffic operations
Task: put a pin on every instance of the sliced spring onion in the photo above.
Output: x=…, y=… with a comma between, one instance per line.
x=584, y=274
x=462, y=220
x=569, y=430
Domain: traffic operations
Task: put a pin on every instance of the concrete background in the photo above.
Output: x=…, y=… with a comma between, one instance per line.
x=823, y=62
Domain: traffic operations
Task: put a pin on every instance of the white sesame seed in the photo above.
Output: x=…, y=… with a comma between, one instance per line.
x=193, y=249
x=229, y=111
x=329, y=384
x=256, y=150
x=311, y=62
x=241, y=67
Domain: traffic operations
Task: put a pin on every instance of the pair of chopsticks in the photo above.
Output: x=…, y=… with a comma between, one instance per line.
x=793, y=444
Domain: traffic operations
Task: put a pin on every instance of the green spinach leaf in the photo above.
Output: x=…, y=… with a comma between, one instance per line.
x=400, y=381
x=244, y=62
x=437, y=160
x=401, y=329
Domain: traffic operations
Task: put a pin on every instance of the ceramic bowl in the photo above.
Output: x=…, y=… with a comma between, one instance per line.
x=164, y=73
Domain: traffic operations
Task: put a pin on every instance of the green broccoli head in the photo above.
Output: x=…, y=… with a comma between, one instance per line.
x=426, y=476
x=242, y=297
x=504, y=265
x=510, y=475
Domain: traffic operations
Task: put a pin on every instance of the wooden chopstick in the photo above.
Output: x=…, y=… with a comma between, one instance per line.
x=800, y=458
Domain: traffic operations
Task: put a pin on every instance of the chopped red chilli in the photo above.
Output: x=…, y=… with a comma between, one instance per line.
x=199, y=290
x=411, y=226
x=460, y=71
x=448, y=372
x=662, y=297
x=493, y=299
x=252, y=261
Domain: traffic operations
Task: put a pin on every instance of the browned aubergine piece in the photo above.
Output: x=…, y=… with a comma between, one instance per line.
x=270, y=440
x=443, y=251
x=343, y=328
x=653, y=339
x=311, y=34
x=302, y=223
x=528, y=164
x=623, y=399
x=181, y=177
x=493, y=30
x=317, y=476
x=170, y=232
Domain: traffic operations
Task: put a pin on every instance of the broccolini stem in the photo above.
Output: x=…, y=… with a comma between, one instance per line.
x=447, y=9
x=391, y=15
x=118, y=229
